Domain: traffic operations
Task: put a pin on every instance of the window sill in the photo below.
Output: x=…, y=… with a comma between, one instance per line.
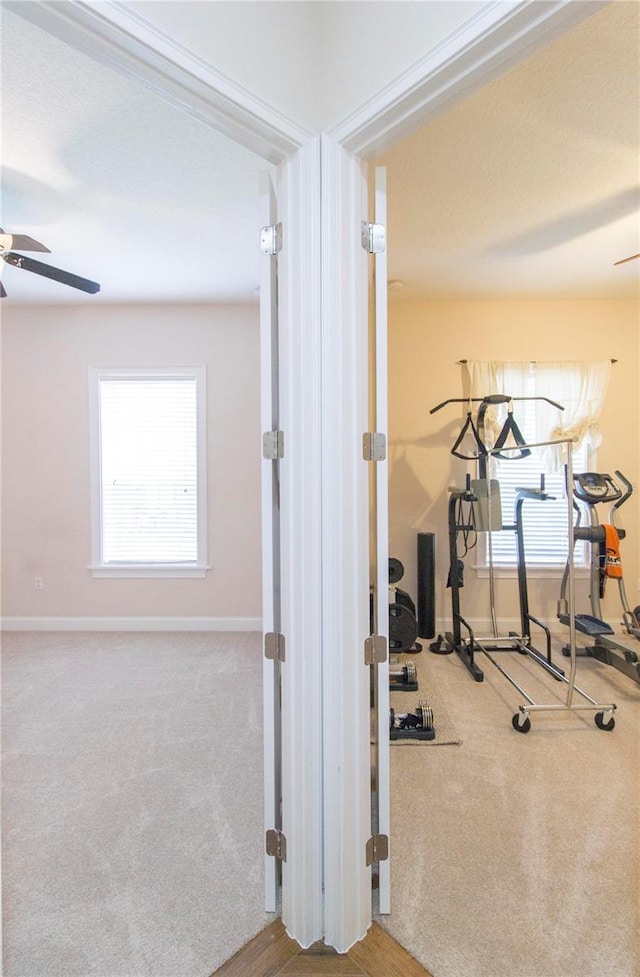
x=540, y=572
x=156, y=570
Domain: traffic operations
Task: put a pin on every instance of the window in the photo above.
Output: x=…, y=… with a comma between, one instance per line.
x=544, y=522
x=580, y=387
x=148, y=472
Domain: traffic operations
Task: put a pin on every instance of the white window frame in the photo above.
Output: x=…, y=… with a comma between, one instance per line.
x=98, y=567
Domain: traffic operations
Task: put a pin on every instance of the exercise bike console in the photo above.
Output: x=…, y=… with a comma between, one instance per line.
x=595, y=487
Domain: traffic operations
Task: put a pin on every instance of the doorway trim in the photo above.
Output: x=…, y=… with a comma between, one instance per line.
x=495, y=38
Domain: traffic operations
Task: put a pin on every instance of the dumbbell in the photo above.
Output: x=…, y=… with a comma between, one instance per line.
x=412, y=725
x=404, y=678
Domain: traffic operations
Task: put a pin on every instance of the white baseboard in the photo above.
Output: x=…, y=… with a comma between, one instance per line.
x=131, y=624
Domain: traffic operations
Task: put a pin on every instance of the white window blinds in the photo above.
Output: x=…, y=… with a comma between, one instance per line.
x=544, y=522
x=151, y=467
x=580, y=387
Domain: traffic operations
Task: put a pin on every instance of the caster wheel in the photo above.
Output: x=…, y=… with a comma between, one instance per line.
x=521, y=726
x=600, y=723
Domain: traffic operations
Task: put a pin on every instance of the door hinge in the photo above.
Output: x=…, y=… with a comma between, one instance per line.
x=273, y=445
x=271, y=239
x=375, y=649
x=274, y=646
x=374, y=446
x=374, y=237
x=377, y=849
x=276, y=844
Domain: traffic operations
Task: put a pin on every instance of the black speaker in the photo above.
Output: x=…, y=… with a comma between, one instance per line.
x=426, y=585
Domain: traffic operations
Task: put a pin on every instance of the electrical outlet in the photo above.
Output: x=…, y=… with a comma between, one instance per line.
x=38, y=583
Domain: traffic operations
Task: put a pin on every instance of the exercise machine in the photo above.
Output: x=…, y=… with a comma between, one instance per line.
x=594, y=489
x=474, y=509
x=463, y=506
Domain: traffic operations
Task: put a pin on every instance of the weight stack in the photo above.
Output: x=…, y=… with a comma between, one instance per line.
x=426, y=585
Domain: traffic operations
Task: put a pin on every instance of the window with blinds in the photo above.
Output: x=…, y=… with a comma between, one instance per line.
x=149, y=470
x=545, y=523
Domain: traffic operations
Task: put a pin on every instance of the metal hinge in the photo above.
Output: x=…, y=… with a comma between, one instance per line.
x=276, y=844
x=271, y=239
x=375, y=649
x=377, y=849
x=273, y=445
x=374, y=237
x=274, y=646
x=374, y=446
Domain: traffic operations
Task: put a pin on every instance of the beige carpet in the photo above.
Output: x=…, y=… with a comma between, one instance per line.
x=132, y=811
x=132, y=821
x=518, y=854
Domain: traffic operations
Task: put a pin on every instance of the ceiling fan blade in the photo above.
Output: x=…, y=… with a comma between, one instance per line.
x=623, y=261
x=22, y=242
x=48, y=271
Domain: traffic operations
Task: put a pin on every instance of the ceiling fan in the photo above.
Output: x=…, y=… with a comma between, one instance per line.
x=623, y=261
x=22, y=242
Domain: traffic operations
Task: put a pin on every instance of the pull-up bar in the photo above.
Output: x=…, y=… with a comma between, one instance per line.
x=492, y=399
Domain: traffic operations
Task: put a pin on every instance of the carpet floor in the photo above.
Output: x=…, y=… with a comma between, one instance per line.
x=132, y=815
x=132, y=810
x=519, y=853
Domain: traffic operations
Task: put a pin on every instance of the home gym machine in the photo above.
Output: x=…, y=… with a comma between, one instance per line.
x=593, y=489
x=480, y=514
x=474, y=509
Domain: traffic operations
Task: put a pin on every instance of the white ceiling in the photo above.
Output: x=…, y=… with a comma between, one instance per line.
x=123, y=187
x=528, y=187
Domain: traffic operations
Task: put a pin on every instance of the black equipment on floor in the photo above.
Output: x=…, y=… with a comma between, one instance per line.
x=403, y=626
x=426, y=585
x=416, y=725
x=593, y=489
x=402, y=678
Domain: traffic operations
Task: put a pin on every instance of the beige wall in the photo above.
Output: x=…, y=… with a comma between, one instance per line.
x=425, y=341
x=46, y=353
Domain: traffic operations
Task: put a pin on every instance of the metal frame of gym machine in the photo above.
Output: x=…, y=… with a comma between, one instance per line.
x=454, y=641
x=605, y=648
x=465, y=648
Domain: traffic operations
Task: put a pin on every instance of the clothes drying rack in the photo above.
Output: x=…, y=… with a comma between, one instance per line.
x=603, y=712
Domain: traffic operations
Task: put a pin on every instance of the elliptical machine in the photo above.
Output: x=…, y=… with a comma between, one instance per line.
x=594, y=488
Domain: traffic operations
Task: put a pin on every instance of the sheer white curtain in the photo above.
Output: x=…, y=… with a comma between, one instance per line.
x=579, y=386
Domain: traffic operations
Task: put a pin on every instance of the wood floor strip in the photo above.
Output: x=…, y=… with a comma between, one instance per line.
x=264, y=956
x=313, y=965
x=380, y=956
x=274, y=954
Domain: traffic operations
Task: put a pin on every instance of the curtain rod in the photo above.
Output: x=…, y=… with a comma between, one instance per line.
x=460, y=362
